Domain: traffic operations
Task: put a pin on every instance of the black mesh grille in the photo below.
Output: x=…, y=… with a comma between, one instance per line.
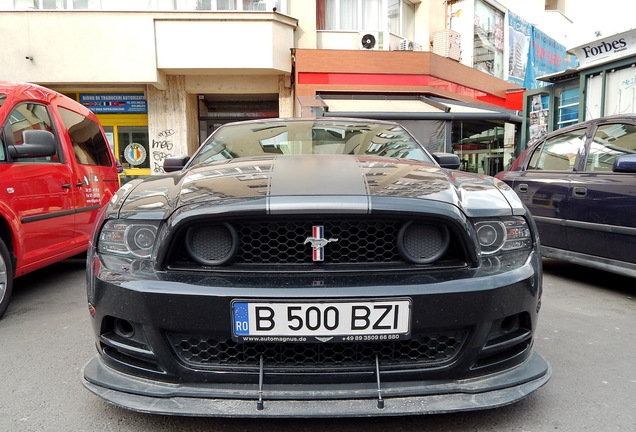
x=347, y=243
x=424, y=242
x=210, y=244
x=284, y=243
x=419, y=352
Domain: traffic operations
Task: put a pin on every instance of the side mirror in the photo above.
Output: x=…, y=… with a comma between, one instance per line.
x=625, y=163
x=175, y=163
x=35, y=143
x=447, y=160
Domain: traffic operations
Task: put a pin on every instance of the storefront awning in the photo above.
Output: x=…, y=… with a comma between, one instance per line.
x=415, y=108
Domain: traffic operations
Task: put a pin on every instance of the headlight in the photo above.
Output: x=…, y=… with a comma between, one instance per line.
x=128, y=238
x=504, y=234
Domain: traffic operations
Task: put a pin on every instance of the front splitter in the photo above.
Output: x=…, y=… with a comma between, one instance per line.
x=142, y=395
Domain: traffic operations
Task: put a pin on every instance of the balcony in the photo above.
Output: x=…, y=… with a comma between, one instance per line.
x=96, y=47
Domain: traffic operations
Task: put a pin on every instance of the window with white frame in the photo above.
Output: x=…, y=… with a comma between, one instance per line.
x=145, y=5
x=568, y=108
x=401, y=16
x=396, y=16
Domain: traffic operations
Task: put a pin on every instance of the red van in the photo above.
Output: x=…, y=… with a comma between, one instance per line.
x=57, y=170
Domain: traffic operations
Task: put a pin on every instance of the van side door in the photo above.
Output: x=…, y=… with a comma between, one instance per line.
x=39, y=192
x=94, y=167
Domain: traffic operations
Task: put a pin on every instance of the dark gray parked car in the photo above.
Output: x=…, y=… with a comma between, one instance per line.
x=314, y=268
x=579, y=183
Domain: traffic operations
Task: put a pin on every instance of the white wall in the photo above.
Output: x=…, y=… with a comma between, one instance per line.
x=133, y=47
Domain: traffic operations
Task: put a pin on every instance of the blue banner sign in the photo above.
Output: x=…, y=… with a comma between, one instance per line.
x=114, y=103
x=534, y=54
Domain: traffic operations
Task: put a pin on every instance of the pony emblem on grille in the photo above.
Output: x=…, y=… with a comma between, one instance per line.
x=318, y=242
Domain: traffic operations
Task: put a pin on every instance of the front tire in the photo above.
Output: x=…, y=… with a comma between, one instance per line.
x=6, y=277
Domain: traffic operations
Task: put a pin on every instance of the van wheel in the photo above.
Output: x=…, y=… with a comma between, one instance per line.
x=6, y=277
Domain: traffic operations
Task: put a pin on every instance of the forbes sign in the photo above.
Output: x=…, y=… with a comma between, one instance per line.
x=607, y=49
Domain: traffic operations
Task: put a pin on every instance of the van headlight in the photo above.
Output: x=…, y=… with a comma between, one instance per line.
x=503, y=234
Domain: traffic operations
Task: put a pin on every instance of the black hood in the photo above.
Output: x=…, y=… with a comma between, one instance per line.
x=339, y=183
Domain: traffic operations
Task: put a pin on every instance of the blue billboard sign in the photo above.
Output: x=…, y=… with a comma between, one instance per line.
x=534, y=54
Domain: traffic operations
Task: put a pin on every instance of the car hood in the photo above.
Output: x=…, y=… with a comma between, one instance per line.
x=329, y=183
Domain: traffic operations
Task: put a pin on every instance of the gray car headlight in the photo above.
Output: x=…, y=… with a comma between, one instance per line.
x=128, y=238
x=503, y=234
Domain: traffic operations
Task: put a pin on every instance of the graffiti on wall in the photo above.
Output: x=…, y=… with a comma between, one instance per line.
x=161, y=148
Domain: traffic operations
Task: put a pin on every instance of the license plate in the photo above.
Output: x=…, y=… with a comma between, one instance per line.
x=371, y=320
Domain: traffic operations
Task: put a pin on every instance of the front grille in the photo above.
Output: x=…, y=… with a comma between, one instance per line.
x=422, y=351
x=290, y=242
x=358, y=242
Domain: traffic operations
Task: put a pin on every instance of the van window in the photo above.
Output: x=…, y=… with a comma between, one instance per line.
x=558, y=153
x=28, y=116
x=89, y=145
x=610, y=141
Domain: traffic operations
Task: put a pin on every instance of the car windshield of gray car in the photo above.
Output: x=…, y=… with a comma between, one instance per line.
x=310, y=137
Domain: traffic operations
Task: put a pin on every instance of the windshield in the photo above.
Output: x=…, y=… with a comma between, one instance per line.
x=305, y=137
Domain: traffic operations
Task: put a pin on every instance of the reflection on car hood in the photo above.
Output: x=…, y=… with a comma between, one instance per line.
x=339, y=183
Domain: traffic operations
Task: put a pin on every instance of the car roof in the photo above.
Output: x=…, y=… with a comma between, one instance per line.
x=630, y=118
x=23, y=91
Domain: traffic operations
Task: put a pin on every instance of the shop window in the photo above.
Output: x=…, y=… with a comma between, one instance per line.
x=568, y=108
x=610, y=141
x=483, y=147
x=558, y=153
x=134, y=147
x=538, y=116
x=620, y=91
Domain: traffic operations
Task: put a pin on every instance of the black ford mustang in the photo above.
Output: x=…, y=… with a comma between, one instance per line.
x=314, y=268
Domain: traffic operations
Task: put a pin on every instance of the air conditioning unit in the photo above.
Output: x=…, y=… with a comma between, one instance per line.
x=405, y=45
x=369, y=40
x=409, y=45
x=447, y=43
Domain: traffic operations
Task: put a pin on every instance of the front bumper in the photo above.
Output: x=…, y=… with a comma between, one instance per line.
x=148, y=396
x=492, y=312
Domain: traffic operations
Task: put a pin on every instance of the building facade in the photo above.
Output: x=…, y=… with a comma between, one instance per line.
x=603, y=84
x=162, y=74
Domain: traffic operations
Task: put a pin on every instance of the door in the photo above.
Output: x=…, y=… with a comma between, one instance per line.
x=545, y=184
x=40, y=191
x=134, y=150
x=95, y=176
x=129, y=139
x=601, y=209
